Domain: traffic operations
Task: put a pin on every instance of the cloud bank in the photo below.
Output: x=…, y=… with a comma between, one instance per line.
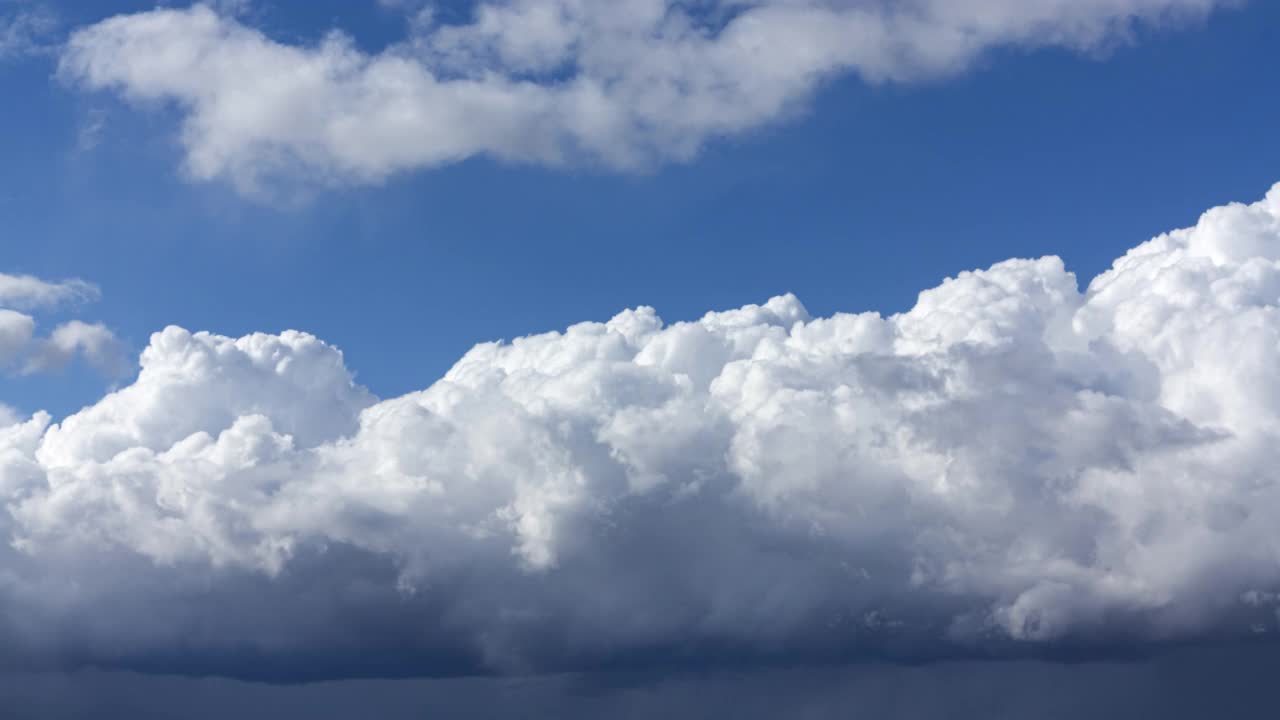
x=619, y=84
x=21, y=350
x=1013, y=467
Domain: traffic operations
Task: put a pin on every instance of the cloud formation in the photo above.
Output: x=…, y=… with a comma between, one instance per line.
x=23, y=351
x=1014, y=466
x=620, y=84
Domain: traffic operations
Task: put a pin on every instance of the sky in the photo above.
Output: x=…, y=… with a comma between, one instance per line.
x=581, y=347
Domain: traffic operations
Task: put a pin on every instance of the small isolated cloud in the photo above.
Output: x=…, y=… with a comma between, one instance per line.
x=614, y=84
x=1015, y=466
x=27, y=292
x=89, y=134
x=26, y=30
x=21, y=348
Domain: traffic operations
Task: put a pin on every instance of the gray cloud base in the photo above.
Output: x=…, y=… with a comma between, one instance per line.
x=1014, y=466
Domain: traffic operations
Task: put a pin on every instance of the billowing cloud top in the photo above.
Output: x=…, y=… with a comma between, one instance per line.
x=618, y=83
x=1013, y=466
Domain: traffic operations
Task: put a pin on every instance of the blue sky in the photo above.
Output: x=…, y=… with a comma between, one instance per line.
x=855, y=202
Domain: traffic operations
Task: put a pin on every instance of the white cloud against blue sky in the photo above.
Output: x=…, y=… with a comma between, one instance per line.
x=23, y=350
x=624, y=84
x=25, y=29
x=1067, y=455
x=1014, y=466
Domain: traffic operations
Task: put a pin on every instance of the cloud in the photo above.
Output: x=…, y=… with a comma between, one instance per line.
x=21, y=348
x=26, y=31
x=16, y=330
x=94, y=342
x=617, y=84
x=1013, y=467
x=27, y=292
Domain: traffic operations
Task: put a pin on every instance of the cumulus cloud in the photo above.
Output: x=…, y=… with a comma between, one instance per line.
x=1014, y=466
x=619, y=84
x=21, y=348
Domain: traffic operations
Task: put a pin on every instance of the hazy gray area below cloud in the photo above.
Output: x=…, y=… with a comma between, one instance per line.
x=1227, y=682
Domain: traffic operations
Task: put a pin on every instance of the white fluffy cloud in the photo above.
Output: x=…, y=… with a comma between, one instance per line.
x=21, y=349
x=622, y=83
x=1014, y=465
